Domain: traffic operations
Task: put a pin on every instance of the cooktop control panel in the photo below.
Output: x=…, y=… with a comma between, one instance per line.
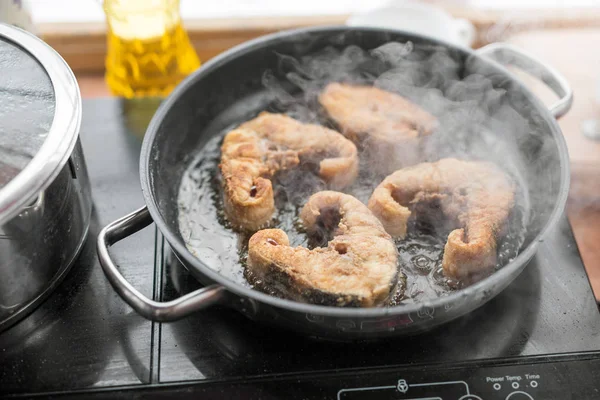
x=548, y=379
x=505, y=387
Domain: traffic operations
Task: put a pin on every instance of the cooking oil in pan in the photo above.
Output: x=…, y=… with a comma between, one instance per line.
x=209, y=236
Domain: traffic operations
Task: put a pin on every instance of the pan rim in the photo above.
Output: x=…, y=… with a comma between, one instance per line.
x=512, y=268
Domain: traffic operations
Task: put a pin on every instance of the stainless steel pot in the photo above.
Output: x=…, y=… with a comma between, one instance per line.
x=45, y=202
x=186, y=121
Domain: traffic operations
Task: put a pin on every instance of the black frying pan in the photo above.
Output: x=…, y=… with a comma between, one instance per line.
x=231, y=88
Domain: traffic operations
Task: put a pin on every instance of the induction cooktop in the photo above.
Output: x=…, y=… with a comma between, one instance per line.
x=539, y=339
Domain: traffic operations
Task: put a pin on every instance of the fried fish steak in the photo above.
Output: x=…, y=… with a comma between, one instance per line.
x=253, y=153
x=358, y=268
x=476, y=198
x=387, y=125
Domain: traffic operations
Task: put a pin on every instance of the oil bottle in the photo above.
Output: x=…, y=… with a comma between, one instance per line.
x=149, y=52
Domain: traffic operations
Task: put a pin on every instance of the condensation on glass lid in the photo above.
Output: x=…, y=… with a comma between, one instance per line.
x=27, y=105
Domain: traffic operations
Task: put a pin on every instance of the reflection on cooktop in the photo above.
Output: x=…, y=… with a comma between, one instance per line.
x=26, y=344
x=549, y=300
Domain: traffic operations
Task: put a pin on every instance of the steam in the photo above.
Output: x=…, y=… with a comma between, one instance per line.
x=480, y=117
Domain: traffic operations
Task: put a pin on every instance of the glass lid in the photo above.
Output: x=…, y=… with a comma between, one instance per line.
x=40, y=114
x=26, y=109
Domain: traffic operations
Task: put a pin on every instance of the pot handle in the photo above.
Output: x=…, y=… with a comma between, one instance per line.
x=149, y=309
x=507, y=54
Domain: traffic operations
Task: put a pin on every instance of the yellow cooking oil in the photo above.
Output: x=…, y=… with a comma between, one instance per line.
x=149, y=52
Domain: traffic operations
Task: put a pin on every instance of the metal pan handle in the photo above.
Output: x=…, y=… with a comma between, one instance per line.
x=149, y=309
x=506, y=54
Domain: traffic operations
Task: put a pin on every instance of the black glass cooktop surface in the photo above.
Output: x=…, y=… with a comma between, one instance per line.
x=540, y=338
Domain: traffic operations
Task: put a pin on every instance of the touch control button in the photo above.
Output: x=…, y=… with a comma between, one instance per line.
x=470, y=397
x=519, y=395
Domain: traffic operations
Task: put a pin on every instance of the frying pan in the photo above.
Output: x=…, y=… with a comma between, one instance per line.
x=181, y=127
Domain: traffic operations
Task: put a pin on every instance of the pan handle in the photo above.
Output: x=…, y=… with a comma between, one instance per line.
x=506, y=54
x=149, y=309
